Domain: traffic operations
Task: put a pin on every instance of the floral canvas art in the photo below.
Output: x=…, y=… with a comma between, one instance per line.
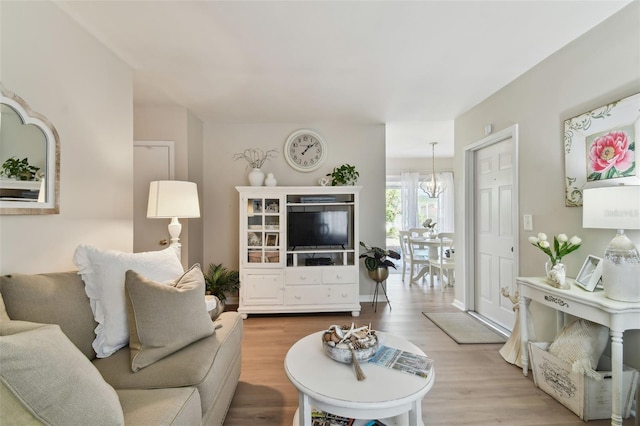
x=611, y=155
x=600, y=148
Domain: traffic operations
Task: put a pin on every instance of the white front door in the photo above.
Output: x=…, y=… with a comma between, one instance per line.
x=494, y=231
x=151, y=161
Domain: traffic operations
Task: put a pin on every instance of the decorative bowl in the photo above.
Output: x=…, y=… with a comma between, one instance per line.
x=343, y=354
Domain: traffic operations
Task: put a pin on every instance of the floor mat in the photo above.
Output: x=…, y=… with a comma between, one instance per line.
x=463, y=328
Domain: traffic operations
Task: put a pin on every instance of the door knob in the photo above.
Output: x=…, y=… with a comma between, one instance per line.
x=163, y=242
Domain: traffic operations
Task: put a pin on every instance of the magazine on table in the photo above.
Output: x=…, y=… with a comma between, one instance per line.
x=404, y=361
x=322, y=418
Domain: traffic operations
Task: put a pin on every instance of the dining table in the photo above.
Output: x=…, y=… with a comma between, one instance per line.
x=433, y=247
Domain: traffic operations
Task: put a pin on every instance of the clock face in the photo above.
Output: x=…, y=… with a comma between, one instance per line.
x=305, y=150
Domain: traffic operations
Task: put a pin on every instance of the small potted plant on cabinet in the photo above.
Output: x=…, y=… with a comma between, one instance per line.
x=344, y=175
x=14, y=168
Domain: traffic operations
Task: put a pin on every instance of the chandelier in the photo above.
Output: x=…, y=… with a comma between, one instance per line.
x=432, y=186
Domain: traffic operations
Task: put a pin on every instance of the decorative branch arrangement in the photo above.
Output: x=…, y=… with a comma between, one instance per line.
x=255, y=157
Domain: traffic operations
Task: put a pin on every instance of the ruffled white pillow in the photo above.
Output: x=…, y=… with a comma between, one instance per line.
x=103, y=272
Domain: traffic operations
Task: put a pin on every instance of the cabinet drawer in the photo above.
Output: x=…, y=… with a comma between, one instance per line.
x=339, y=275
x=302, y=276
x=321, y=295
x=261, y=289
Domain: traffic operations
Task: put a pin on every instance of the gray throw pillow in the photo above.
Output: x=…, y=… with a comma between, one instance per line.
x=52, y=379
x=164, y=318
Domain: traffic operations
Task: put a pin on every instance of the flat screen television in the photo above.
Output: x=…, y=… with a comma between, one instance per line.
x=317, y=229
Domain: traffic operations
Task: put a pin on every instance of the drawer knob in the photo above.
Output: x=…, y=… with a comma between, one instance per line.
x=339, y=276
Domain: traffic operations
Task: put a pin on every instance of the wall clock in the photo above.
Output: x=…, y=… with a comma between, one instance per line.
x=305, y=150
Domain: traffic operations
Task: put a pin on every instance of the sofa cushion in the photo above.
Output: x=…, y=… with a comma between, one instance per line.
x=206, y=364
x=55, y=298
x=13, y=412
x=179, y=406
x=43, y=370
x=103, y=272
x=3, y=311
x=165, y=318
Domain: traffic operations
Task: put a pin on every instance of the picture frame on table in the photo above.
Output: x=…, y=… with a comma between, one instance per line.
x=600, y=148
x=271, y=239
x=590, y=273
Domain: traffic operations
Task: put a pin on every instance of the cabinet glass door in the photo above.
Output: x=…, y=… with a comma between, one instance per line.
x=263, y=230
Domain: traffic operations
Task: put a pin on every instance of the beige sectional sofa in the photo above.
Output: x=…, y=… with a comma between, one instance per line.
x=194, y=385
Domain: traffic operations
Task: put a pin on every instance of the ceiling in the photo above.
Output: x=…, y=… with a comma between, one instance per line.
x=413, y=65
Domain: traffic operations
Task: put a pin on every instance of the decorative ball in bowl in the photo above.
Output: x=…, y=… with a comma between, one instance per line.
x=338, y=341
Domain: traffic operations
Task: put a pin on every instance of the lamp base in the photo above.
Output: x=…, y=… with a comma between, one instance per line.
x=175, y=227
x=621, y=270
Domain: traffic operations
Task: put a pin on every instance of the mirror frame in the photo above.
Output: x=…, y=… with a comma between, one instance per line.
x=51, y=205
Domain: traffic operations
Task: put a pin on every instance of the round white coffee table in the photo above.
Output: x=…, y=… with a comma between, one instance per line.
x=394, y=397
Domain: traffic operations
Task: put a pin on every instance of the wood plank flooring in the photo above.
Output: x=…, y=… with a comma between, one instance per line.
x=474, y=385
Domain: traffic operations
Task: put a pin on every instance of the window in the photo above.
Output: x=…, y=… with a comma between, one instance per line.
x=407, y=206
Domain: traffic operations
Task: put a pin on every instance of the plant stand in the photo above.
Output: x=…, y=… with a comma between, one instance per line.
x=379, y=275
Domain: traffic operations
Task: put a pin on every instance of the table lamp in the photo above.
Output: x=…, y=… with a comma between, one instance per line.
x=616, y=207
x=172, y=199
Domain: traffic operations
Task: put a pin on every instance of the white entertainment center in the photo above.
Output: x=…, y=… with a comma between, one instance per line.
x=277, y=277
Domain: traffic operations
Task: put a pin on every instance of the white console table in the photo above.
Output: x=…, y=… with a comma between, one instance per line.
x=618, y=316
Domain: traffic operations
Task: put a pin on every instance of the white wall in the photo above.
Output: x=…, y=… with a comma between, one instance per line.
x=85, y=91
x=196, y=174
x=360, y=145
x=177, y=124
x=600, y=67
x=423, y=165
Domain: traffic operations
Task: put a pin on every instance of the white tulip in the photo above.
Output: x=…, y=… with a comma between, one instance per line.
x=542, y=236
x=533, y=240
x=562, y=238
x=544, y=244
x=575, y=240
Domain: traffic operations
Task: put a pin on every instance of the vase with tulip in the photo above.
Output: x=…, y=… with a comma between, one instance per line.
x=562, y=246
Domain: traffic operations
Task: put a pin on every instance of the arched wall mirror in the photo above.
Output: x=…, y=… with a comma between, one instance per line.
x=29, y=159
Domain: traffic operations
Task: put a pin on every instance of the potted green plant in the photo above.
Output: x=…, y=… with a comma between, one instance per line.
x=376, y=262
x=221, y=281
x=19, y=169
x=344, y=175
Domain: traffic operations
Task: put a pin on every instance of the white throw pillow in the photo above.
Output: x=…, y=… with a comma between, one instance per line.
x=103, y=272
x=581, y=345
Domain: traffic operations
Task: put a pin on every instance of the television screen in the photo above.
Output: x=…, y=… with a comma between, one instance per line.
x=329, y=228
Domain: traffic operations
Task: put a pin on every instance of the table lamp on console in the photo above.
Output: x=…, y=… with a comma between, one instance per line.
x=172, y=199
x=616, y=207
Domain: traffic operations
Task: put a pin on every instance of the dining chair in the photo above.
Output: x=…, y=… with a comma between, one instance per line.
x=444, y=264
x=418, y=259
x=404, y=251
x=418, y=232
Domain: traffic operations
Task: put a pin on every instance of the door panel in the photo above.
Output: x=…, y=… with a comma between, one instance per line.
x=494, y=264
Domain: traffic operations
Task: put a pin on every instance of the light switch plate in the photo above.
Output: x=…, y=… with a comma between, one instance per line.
x=527, y=222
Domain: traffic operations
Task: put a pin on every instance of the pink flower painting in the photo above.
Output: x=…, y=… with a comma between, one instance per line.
x=611, y=155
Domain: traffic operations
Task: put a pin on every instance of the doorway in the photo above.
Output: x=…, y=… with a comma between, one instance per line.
x=491, y=216
x=152, y=160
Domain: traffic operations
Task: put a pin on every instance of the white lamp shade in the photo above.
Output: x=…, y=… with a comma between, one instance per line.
x=611, y=207
x=172, y=198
